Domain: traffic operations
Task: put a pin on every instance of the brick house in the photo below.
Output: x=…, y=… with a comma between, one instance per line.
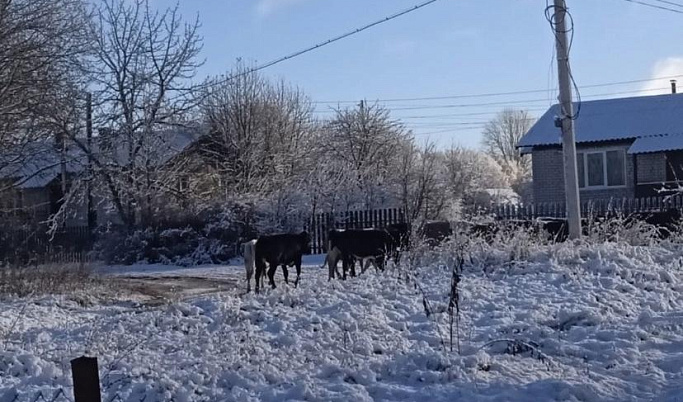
x=626, y=148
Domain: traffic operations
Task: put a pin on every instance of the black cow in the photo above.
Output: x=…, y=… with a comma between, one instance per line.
x=281, y=249
x=666, y=222
x=357, y=244
x=400, y=232
x=436, y=232
x=400, y=238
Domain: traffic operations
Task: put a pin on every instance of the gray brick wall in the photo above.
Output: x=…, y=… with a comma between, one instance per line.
x=651, y=168
x=548, y=177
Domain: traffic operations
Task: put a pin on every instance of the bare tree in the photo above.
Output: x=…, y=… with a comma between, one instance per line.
x=142, y=66
x=420, y=182
x=501, y=136
x=259, y=131
x=40, y=42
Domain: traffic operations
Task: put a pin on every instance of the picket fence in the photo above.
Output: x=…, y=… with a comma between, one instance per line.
x=36, y=246
x=600, y=207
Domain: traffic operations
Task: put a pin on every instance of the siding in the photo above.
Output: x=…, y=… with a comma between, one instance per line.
x=548, y=176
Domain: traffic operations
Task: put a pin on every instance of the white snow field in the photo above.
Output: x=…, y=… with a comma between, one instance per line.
x=589, y=323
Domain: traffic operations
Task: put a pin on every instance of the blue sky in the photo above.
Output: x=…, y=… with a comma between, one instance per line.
x=452, y=47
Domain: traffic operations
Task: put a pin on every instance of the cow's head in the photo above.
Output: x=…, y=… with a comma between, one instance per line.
x=305, y=242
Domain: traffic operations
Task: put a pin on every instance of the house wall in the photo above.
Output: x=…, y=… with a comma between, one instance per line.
x=548, y=176
x=651, y=168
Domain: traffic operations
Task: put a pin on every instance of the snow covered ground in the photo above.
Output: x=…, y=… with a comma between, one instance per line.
x=587, y=323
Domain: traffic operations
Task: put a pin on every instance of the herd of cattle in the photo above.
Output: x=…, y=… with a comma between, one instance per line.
x=376, y=246
x=348, y=246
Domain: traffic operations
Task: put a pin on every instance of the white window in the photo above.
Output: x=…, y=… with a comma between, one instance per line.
x=601, y=169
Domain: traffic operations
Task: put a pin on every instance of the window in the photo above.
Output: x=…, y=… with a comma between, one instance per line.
x=616, y=170
x=595, y=164
x=601, y=168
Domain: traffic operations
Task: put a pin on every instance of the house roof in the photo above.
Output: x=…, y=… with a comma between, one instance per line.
x=36, y=164
x=657, y=143
x=612, y=120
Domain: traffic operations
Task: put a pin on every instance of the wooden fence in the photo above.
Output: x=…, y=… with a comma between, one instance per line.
x=36, y=246
x=606, y=207
x=320, y=224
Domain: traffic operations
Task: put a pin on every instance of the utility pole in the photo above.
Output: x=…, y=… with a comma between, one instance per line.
x=92, y=216
x=566, y=122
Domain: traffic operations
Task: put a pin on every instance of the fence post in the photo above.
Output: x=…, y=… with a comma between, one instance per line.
x=86, y=379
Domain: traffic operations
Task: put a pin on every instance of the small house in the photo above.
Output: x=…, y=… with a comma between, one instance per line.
x=626, y=148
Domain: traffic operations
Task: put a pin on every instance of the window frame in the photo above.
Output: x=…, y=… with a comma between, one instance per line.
x=605, y=186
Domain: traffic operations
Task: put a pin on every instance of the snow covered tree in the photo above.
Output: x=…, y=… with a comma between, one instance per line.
x=468, y=171
x=259, y=131
x=421, y=182
x=500, y=138
x=368, y=143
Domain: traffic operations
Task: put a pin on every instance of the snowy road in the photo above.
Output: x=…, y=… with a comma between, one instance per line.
x=600, y=323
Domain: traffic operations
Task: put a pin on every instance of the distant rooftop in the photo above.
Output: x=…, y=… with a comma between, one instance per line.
x=36, y=164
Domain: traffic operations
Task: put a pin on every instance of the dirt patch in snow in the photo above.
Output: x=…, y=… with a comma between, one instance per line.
x=158, y=290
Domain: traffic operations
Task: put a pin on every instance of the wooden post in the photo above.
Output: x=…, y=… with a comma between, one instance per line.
x=86, y=379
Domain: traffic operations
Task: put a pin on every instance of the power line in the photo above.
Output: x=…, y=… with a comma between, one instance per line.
x=325, y=43
x=503, y=103
x=670, y=3
x=448, y=130
x=494, y=94
x=460, y=115
x=655, y=6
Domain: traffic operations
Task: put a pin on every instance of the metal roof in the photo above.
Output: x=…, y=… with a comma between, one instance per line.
x=657, y=143
x=613, y=119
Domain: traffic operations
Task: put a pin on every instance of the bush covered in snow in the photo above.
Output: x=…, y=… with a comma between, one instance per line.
x=211, y=237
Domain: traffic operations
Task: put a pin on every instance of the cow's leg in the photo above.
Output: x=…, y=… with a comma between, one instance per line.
x=272, y=267
x=379, y=262
x=345, y=266
x=333, y=258
x=297, y=263
x=260, y=273
x=353, y=266
x=366, y=263
x=331, y=261
x=285, y=273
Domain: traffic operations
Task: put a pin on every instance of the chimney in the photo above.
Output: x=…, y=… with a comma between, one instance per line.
x=673, y=86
